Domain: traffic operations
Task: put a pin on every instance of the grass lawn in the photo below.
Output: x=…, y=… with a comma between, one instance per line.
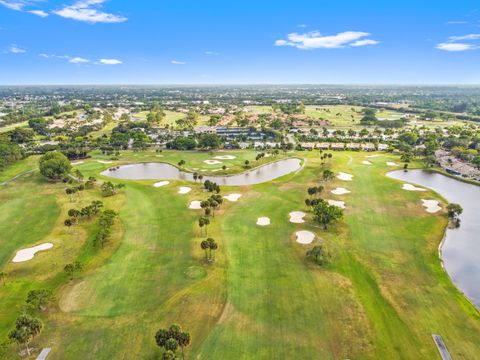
x=381, y=297
x=13, y=126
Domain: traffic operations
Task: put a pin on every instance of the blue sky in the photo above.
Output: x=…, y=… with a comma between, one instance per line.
x=239, y=42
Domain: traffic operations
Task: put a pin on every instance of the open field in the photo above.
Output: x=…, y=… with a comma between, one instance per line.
x=382, y=296
x=10, y=127
x=170, y=117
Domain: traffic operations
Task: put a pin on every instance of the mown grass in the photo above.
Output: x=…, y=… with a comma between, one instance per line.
x=382, y=296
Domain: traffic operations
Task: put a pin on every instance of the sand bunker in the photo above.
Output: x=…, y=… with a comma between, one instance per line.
x=366, y=162
x=104, y=162
x=29, y=253
x=305, y=237
x=161, y=183
x=372, y=156
x=212, y=162
x=77, y=163
x=195, y=205
x=344, y=176
x=431, y=206
x=391, y=163
x=296, y=217
x=184, y=190
x=225, y=157
x=232, y=197
x=340, y=191
x=410, y=187
x=340, y=204
x=263, y=221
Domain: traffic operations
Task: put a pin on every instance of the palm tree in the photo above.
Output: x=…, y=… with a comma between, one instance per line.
x=212, y=245
x=3, y=275
x=195, y=176
x=205, y=246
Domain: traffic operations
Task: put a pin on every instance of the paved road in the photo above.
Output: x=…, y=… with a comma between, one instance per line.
x=43, y=355
x=442, y=348
x=16, y=177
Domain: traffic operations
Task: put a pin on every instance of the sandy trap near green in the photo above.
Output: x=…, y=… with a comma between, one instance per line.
x=344, y=176
x=305, y=237
x=161, y=183
x=232, y=197
x=410, y=187
x=431, y=206
x=29, y=253
x=296, y=217
x=195, y=205
x=263, y=221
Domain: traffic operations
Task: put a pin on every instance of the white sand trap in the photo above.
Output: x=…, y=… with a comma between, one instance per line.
x=263, y=221
x=77, y=163
x=340, y=191
x=184, y=190
x=233, y=197
x=195, y=205
x=29, y=253
x=391, y=163
x=372, y=156
x=344, y=176
x=410, y=187
x=104, y=162
x=431, y=206
x=161, y=183
x=268, y=155
x=340, y=204
x=225, y=157
x=366, y=162
x=212, y=162
x=305, y=237
x=158, y=155
x=296, y=217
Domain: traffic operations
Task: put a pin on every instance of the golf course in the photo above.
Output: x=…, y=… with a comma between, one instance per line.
x=382, y=294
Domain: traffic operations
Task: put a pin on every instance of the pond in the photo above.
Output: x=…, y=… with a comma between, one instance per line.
x=164, y=171
x=461, y=248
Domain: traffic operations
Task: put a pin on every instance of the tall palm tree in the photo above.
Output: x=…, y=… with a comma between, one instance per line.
x=3, y=275
x=205, y=246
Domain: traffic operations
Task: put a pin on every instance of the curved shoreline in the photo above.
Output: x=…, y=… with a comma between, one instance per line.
x=210, y=176
x=444, y=236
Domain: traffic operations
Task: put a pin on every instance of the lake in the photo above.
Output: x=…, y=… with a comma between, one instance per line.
x=461, y=249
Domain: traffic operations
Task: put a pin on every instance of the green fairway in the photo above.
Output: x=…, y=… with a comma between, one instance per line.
x=381, y=297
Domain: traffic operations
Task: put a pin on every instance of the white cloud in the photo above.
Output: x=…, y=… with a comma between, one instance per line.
x=456, y=46
x=213, y=53
x=460, y=43
x=465, y=37
x=78, y=60
x=314, y=40
x=365, y=42
x=176, y=62
x=456, y=22
x=110, y=61
x=14, y=49
x=87, y=11
x=53, y=56
x=13, y=4
x=40, y=13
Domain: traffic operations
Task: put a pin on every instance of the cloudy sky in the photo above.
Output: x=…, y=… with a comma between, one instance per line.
x=239, y=41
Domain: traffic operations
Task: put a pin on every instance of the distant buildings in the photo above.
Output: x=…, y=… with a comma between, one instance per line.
x=454, y=166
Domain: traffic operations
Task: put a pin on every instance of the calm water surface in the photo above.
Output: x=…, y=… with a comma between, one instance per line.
x=461, y=250
x=164, y=171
